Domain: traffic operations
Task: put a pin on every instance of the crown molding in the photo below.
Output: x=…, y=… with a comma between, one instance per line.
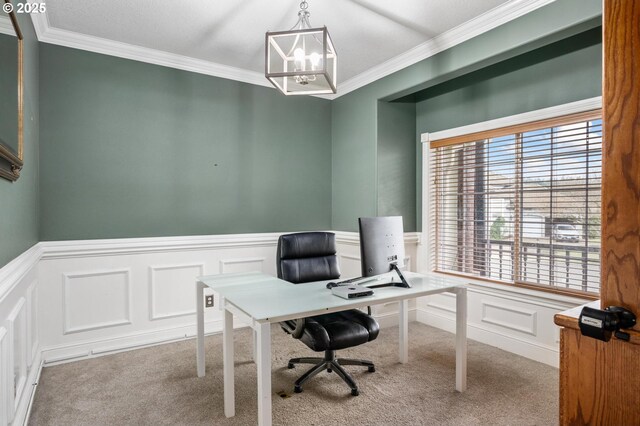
x=487, y=21
x=6, y=27
x=40, y=22
x=48, y=34
x=463, y=32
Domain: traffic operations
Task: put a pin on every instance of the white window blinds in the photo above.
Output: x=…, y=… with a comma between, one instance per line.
x=521, y=204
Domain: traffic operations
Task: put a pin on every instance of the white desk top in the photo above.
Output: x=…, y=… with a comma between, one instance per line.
x=265, y=298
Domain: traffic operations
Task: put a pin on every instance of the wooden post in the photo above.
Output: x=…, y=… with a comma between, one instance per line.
x=600, y=381
x=620, y=285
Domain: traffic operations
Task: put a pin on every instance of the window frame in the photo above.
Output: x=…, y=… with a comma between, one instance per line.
x=586, y=110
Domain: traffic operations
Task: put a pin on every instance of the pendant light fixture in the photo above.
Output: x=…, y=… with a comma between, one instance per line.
x=301, y=61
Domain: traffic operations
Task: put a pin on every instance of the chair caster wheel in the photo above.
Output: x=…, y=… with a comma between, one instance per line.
x=329, y=370
x=290, y=365
x=371, y=369
x=355, y=392
x=297, y=389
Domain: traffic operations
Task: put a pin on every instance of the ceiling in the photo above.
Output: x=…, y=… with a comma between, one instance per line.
x=230, y=33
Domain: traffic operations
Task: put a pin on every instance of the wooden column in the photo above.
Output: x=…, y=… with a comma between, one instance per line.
x=621, y=156
x=600, y=381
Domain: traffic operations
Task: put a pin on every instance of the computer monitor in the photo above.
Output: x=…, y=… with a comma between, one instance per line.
x=382, y=247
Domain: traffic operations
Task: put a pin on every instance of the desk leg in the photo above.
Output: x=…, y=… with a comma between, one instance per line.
x=255, y=345
x=461, y=339
x=404, y=331
x=263, y=361
x=227, y=361
x=200, y=328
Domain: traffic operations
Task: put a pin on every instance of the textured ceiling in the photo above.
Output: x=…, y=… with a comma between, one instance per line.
x=366, y=33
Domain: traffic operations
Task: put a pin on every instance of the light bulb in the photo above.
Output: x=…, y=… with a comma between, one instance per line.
x=314, y=57
x=299, y=55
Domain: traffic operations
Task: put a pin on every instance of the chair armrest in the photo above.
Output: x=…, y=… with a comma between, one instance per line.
x=299, y=330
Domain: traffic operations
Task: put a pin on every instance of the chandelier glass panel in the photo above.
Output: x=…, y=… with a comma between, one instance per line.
x=301, y=61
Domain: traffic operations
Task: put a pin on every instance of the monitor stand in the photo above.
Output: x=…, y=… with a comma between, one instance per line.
x=403, y=282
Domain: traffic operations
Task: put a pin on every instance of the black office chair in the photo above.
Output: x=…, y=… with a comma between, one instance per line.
x=311, y=256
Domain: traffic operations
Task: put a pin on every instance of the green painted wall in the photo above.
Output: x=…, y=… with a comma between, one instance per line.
x=8, y=79
x=396, y=161
x=562, y=72
x=354, y=182
x=132, y=150
x=19, y=200
x=565, y=71
x=355, y=127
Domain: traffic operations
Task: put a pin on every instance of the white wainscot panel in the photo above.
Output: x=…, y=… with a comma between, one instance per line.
x=445, y=302
x=350, y=265
x=4, y=376
x=172, y=290
x=511, y=317
x=96, y=299
x=249, y=264
x=32, y=322
x=17, y=356
x=407, y=264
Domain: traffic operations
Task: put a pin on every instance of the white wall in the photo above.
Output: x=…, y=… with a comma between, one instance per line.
x=516, y=320
x=104, y=296
x=19, y=342
x=82, y=299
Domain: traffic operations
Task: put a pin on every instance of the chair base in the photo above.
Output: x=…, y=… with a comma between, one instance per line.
x=330, y=363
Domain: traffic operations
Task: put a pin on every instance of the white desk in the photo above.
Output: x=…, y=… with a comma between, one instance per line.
x=261, y=300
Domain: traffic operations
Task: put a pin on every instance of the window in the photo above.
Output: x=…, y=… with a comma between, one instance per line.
x=521, y=204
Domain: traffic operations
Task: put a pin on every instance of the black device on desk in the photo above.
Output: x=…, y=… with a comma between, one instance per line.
x=382, y=248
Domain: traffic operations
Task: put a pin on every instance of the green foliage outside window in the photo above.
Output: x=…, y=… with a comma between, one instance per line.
x=497, y=228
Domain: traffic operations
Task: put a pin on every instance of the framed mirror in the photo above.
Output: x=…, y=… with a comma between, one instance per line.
x=11, y=93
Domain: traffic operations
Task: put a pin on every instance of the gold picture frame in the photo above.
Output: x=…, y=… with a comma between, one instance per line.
x=12, y=161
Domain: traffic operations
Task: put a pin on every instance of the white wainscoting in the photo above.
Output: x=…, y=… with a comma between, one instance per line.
x=19, y=336
x=167, y=297
x=96, y=299
x=122, y=294
x=4, y=376
x=82, y=299
x=516, y=320
x=141, y=291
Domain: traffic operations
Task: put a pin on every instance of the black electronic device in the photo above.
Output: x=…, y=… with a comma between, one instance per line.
x=382, y=248
x=602, y=324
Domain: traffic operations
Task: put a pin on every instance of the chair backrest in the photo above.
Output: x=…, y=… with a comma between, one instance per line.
x=307, y=256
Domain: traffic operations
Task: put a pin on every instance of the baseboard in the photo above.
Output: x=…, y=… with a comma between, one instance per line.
x=99, y=347
x=538, y=352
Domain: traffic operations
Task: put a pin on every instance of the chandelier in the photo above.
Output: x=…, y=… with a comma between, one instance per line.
x=301, y=61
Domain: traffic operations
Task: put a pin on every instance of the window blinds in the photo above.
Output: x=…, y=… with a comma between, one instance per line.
x=521, y=204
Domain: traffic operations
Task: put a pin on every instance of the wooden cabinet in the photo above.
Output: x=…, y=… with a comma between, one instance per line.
x=599, y=381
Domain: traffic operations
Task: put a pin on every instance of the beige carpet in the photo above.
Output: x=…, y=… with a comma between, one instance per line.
x=158, y=386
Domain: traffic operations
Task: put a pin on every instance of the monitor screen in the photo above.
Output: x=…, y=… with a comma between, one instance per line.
x=381, y=244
